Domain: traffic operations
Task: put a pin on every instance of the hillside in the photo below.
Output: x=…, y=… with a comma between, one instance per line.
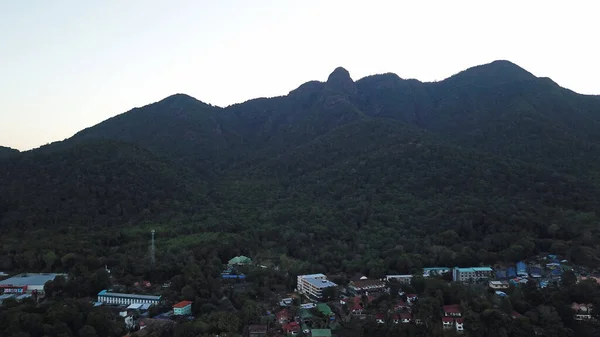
x=381, y=174
x=7, y=151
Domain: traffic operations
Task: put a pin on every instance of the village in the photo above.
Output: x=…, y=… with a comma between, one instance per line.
x=318, y=306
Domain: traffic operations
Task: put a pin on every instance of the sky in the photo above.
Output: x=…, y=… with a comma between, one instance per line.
x=69, y=64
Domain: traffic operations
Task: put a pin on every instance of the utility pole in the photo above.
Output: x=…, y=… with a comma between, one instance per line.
x=153, y=251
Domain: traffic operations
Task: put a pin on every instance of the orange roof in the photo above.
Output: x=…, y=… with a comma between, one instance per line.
x=182, y=304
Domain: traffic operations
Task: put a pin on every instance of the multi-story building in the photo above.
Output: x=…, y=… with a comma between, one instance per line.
x=471, y=274
x=126, y=299
x=183, y=308
x=366, y=287
x=313, y=285
x=27, y=283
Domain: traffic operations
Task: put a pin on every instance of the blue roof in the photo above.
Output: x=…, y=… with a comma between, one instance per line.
x=320, y=283
x=500, y=273
x=511, y=272
x=521, y=265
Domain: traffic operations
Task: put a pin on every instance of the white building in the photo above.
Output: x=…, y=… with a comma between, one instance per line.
x=313, y=285
x=27, y=283
x=471, y=274
x=126, y=299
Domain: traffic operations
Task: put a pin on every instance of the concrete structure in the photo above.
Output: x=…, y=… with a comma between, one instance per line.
x=435, y=271
x=471, y=274
x=366, y=287
x=320, y=332
x=27, y=283
x=313, y=285
x=400, y=278
x=183, y=308
x=499, y=284
x=126, y=299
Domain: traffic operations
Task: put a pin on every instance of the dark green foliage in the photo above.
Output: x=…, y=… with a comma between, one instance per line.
x=7, y=151
x=382, y=175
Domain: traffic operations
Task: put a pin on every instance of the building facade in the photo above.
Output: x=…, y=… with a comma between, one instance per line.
x=471, y=274
x=126, y=299
x=183, y=308
x=313, y=285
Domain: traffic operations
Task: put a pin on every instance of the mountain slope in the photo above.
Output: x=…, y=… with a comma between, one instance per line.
x=95, y=185
x=7, y=151
x=481, y=167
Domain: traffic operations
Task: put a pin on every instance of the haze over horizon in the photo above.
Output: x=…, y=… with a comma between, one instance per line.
x=68, y=65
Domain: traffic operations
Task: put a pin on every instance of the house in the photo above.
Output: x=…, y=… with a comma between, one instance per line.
x=521, y=269
x=401, y=305
x=511, y=272
x=305, y=316
x=283, y=316
x=515, y=315
x=471, y=274
x=325, y=310
x=240, y=261
x=452, y=310
x=361, y=287
x=583, y=312
x=291, y=328
x=459, y=324
x=286, y=302
x=396, y=318
x=313, y=285
x=411, y=298
x=183, y=308
x=405, y=317
x=501, y=274
x=356, y=304
x=499, y=285
x=406, y=279
x=435, y=271
x=257, y=330
x=447, y=322
x=535, y=271
x=320, y=332
x=380, y=318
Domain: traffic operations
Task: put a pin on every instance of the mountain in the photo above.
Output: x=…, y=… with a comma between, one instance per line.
x=7, y=151
x=382, y=174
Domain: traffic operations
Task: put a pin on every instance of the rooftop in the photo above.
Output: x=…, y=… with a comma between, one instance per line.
x=309, y=276
x=473, y=269
x=320, y=283
x=136, y=296
x=452, y=308
x=28, y=279
x=370, y=284
x=320, y=332
x=182, y=304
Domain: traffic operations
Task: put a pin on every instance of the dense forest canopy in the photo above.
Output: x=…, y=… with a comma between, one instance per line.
x=377, y=175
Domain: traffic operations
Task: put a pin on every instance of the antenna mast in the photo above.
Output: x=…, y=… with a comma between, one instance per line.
x=153, y=250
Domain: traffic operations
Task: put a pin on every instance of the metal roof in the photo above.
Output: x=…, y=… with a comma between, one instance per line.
x=134, y=296
x=26, y=279
x=318, y=283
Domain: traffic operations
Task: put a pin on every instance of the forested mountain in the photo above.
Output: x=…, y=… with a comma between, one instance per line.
x=7, y=151
x=382, y=174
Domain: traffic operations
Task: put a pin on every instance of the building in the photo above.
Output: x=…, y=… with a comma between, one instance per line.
x=435, y=271
x=183, y=308
x=291, y=328
x=521, y=269
x=257, y=330
x=320, y=332
x=126, y=299
x=452, y=310
x=361, y=287
x=380, y=318
x=326, y=311
x=499, y=285
x=582, y=312
x=27, y=283
x=313, y=285
x=459, y=324
x=283, y=316
x=471, y=274
x=400, y=278
x=5, y=297
x=240, y=261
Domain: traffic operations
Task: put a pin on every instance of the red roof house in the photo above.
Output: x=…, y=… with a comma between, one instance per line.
x=380, y=318
x=453, y=310
x=406, y=317
x=283, y=316
x=291, y=327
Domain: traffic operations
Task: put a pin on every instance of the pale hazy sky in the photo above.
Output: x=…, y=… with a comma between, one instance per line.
x=69, y=64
